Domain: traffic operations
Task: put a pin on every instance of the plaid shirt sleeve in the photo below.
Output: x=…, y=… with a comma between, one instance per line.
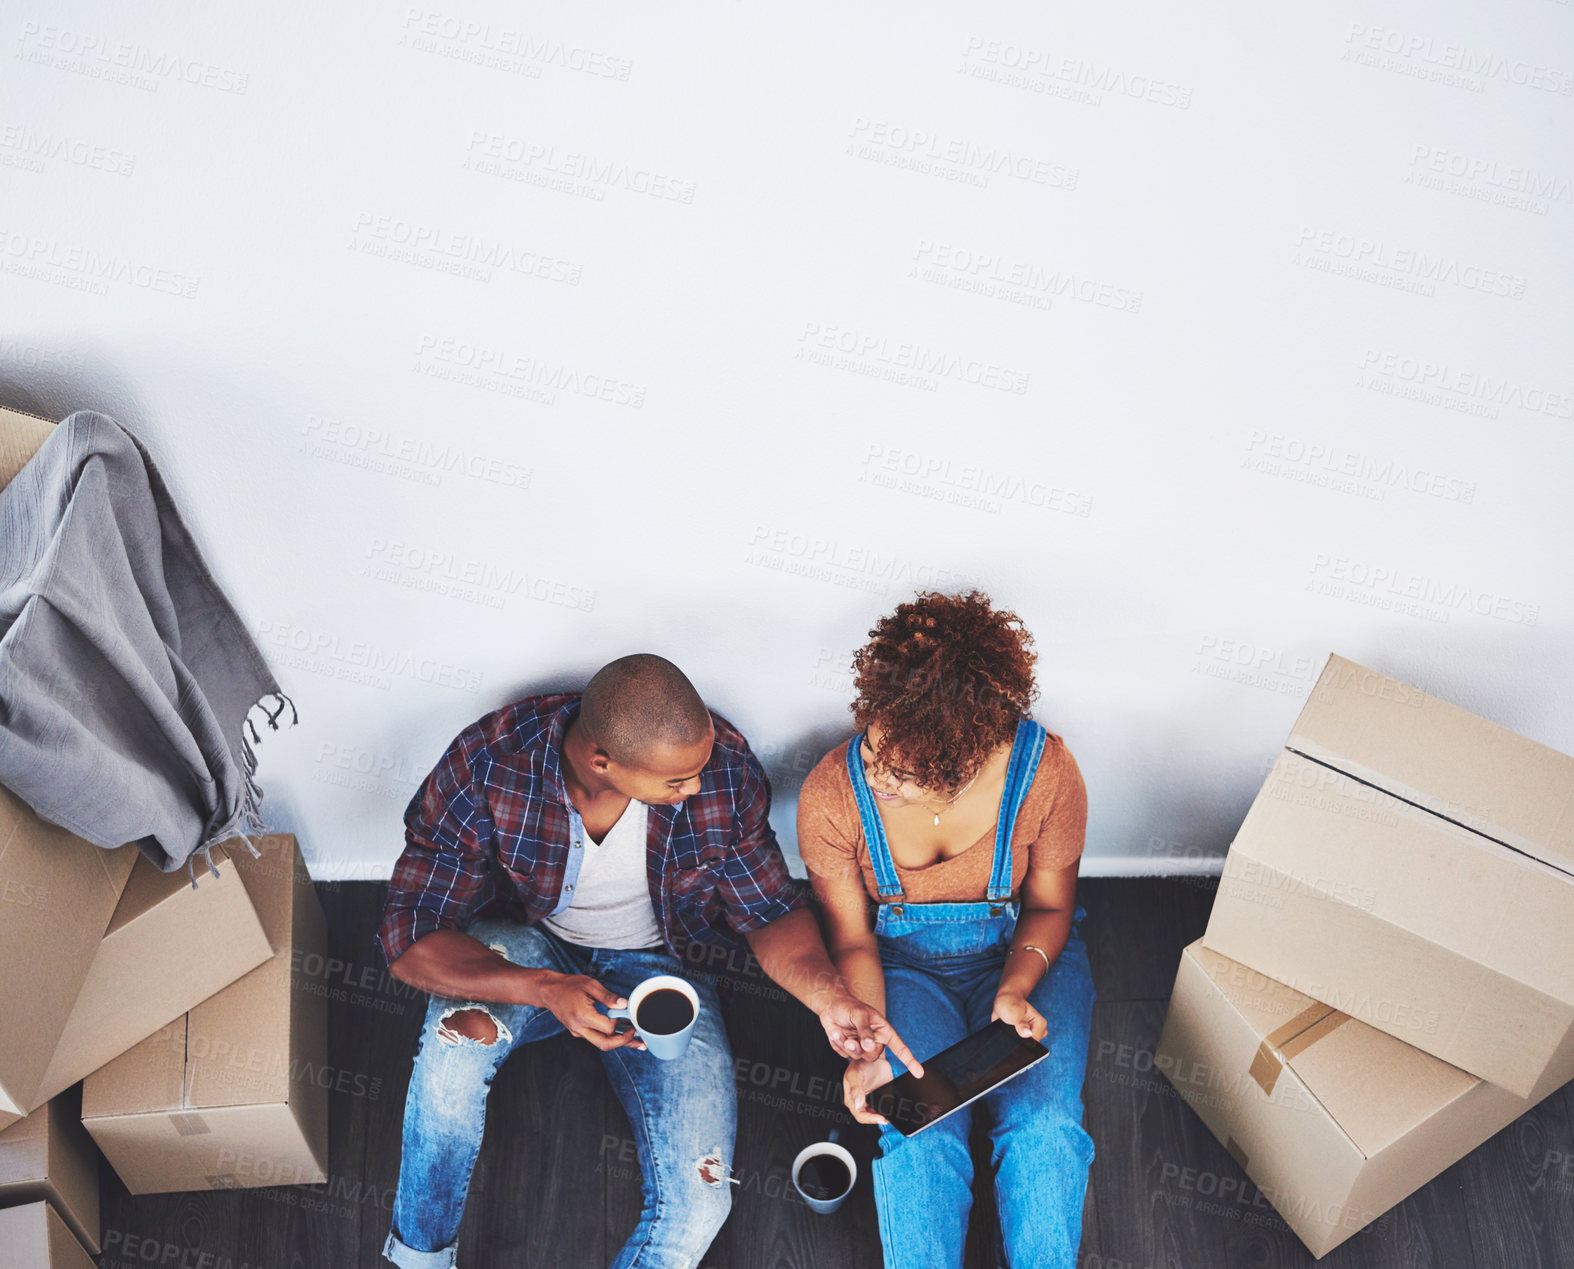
x=443, y=873
x=755, y=886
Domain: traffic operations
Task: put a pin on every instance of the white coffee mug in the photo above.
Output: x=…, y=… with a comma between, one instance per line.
x=668, y=1047
x=830, y=1149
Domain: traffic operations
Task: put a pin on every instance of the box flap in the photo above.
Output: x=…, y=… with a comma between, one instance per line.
x=1376, y=1088
x=20, y=436
x=168, y=947
x=24, y=1148
x=1266, y=1006
x=118, y=865
x=1442, y=757
x=148, y=1077
x=57, y=893
x=148, y=887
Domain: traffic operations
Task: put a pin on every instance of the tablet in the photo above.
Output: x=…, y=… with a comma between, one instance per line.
x=954, y=1077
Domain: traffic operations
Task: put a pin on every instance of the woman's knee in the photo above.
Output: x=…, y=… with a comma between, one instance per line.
x=1049, y=1132
x=938, y=1152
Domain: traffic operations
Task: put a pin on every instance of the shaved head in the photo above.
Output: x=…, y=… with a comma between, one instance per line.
x=638, y=704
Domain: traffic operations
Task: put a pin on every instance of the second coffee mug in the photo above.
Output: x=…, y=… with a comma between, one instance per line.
x=663, y=1010
x=823, y=1174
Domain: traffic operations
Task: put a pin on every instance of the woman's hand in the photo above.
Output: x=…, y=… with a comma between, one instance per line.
x=1012, y=1007
x=862, y=1077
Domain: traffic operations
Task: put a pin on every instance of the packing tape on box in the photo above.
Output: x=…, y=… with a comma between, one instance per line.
x=1296, y=1036
x=188, y=1123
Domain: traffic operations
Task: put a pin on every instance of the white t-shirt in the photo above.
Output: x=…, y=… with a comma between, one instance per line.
x=611, y=902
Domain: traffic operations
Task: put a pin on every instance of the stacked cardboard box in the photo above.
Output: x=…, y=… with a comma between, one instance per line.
x=48, y=1158
x=233, y=1094
x=99, y=951
x=1387, y=977
x=34, y=1237
x=58, y=894
x=168, y=947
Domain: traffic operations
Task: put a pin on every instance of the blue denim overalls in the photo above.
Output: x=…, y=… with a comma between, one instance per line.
x=942, y=964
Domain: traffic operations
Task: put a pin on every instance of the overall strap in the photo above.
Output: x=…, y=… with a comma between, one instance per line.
x=1026, y=750
x=885, y=880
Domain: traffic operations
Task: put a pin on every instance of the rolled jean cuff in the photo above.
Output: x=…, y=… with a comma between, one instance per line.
x=409, y=1258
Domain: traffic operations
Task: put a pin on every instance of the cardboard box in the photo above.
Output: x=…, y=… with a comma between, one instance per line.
x=1409, y=863
x=20, y=436
x=49, y=1156
x=57, y=893
x=1334, y=1121
x=34, y=1237
x=235, y=1093
x=169, y=946
x=1441, y=757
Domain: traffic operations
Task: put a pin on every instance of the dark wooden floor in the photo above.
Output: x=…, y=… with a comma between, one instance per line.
x=557, y=1185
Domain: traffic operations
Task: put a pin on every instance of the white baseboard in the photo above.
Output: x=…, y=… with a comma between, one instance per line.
x=1150, y=866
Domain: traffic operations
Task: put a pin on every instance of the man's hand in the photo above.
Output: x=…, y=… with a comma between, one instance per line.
x=1013, y=1008
x=860, y=1032
x=792, y=953
x=572, y=1000
x=862, y=1077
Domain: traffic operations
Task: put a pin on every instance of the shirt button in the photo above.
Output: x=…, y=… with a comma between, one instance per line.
x=576, y=845
x=566, y=889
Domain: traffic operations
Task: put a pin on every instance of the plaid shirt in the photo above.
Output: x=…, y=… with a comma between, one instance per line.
x=487, y=834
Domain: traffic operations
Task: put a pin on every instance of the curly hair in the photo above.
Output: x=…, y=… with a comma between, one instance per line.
x=947, y=678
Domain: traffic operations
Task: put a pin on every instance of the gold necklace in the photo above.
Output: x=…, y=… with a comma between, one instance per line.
x=956, y=795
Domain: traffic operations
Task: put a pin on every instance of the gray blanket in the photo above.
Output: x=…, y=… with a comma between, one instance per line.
x=126, y=679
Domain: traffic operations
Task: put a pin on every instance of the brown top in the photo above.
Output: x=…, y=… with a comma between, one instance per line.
x=1049, y=831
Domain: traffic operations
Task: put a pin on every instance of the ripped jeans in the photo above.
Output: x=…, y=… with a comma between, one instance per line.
x=684, y=1114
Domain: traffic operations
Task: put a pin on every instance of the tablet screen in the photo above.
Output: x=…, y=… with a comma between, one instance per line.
x=954, y=1077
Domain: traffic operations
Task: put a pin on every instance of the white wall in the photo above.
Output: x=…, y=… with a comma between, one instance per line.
x=1259, y=350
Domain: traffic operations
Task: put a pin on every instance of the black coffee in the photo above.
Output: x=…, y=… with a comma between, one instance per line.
x=824, y=1176
x=665, y=1012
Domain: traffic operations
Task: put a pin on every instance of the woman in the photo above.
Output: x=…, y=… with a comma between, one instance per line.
x=961, y=821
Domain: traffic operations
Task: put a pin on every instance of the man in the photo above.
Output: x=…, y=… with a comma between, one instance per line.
x=563, y=850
